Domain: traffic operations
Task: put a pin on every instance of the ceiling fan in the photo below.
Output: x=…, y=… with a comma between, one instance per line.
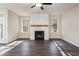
x=40, y=5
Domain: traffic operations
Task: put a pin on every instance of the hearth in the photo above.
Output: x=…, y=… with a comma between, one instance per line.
x=39, y=35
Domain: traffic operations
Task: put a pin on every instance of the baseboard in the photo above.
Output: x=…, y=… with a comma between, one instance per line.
x=23, y=39
x=54, y=38
x=69, y=43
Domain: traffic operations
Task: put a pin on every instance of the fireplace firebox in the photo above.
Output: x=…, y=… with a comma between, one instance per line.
x=39, y=35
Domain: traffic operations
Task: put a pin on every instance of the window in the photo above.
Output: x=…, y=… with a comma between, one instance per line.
x=25, y=24
x=1, y=25
x=53, y=24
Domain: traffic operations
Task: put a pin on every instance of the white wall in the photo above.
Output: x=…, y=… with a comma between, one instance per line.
x=70, y=26
x=39, y=19
x=13, y=26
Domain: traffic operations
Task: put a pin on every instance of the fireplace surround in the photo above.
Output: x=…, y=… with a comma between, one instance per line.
x=34, y=28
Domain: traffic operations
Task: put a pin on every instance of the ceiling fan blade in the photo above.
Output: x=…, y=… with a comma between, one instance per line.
x=42, y=8
x=46, y=3
x=33, y=6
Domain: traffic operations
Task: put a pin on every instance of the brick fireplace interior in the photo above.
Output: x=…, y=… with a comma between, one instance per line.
x=39, y=35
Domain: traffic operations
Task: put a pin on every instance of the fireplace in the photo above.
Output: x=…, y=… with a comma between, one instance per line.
x=39, y=35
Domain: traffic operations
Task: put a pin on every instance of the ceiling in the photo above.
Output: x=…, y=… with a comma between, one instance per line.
x=24, y=8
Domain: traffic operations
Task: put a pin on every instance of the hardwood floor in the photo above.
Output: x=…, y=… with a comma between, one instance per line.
x=43, y=48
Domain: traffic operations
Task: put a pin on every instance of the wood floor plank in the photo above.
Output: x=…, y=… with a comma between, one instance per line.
x=41, y=48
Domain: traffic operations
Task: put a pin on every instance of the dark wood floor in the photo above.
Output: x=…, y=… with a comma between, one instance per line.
x=42, y=48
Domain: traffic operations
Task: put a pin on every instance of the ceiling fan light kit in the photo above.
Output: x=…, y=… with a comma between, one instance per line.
x=38, y=5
